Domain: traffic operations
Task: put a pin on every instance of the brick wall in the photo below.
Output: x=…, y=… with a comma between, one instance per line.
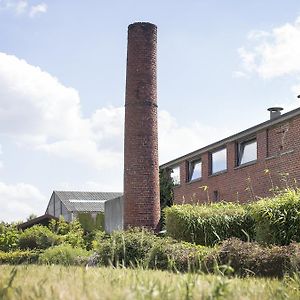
x=141, y=168
x=277, y=154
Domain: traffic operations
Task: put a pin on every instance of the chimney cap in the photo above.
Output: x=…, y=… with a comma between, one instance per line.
x=142, y=24
x=275, y=109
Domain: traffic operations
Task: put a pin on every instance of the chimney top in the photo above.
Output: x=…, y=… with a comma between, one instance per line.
x=275, y=112
x=142, y=24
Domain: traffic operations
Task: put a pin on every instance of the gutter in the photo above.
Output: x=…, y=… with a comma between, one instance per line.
x=237, y=136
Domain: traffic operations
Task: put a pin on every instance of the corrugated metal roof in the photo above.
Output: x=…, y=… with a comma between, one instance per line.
x=85, y=201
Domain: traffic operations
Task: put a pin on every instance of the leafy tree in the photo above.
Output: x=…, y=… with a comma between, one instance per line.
x=166, y=191
x=60, y=227
x=9, y=237
x=31, y=217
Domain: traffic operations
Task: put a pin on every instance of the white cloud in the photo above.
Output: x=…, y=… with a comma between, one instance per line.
x=38, y=112
x=274, y=53
x=1, y=162
x=23, y=7
x=38, y=9
x=20, y=7
x=94, y=186
x=176, y=140
x=240, y=74
x=19, y=201
x=257, y=34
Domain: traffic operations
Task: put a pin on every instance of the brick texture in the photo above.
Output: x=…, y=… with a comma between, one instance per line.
x=278, y=151
x=141, y=168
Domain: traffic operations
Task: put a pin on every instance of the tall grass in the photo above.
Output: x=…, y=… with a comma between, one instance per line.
x=56, y=282
x=208, y=224
x=277, y=219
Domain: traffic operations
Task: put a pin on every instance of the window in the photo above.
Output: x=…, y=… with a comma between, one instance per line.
x=218, y=161
x=247, y=151
x=195, y=169
x=216, y=196
x=175, y=175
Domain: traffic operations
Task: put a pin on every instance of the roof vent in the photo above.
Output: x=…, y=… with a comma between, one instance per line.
x=275, y=112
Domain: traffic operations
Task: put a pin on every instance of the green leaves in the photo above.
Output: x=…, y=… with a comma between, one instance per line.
x=209, y=223
x=277, y=220
x=9, y=237
x=271, y=221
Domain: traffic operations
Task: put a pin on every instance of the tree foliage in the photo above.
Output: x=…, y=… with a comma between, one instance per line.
x=166, y=185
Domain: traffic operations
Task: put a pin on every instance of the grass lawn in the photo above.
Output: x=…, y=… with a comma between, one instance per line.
x=57, y=282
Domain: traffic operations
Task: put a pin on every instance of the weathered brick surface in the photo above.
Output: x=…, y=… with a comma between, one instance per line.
x=141, y=168
x=278, y=151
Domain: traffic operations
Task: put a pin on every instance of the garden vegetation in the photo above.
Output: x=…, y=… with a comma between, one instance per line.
x=257, y=239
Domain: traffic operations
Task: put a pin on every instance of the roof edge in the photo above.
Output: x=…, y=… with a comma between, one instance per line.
x=269, y=123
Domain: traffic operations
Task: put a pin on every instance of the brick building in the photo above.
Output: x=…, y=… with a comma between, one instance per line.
x=241, y=167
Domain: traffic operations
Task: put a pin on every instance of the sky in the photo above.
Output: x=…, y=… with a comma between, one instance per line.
x=221, y=64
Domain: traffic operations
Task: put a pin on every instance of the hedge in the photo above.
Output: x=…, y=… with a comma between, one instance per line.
x=167, y=254
x=64, y=254
x=38, y=237
x=126, y=248
x=208, y=224
x=253, y=259
x=277, y=220
x=19, y=257
x=140, y=247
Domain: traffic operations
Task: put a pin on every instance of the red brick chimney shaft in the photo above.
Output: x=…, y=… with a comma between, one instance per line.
x=141, y=168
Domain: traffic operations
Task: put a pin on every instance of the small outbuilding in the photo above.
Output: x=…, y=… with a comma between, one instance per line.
x=43, y=220
x=106, y=206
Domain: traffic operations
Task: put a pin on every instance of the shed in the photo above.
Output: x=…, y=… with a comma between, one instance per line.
x=41, y=220
x=70, y=204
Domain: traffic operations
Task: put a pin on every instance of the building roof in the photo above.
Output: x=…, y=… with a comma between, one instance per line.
x=248, y=132
x=85, y=201
x=41, y=220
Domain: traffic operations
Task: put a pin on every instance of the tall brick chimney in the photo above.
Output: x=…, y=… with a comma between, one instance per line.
x=141, y=168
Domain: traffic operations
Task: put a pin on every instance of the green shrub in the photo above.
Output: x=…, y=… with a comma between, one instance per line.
x=127, y=248
x=60, y=227
x=167, y=254
x=89, y=223
x=71, y=233
x=38, y=237
x=277, y=220
x=86, y=220
x=166, y=187
x=209, y=223
x=74, y=237
x=294, y=251
x=100, y=222
x=139, y=247
x=64, y=254
x=19, y=257
x=9, y=237
x=251, y=258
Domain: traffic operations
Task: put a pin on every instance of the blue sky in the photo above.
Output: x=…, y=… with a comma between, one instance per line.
x=221, y=64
